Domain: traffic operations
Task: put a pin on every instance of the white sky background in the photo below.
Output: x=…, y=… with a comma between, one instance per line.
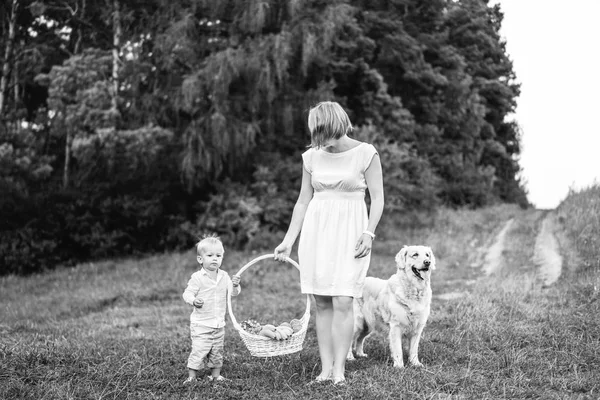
x=555, y=49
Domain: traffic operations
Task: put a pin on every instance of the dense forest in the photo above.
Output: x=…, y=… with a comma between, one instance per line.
x=130, y=127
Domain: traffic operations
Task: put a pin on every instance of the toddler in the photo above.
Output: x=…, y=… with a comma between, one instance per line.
x=206, y=291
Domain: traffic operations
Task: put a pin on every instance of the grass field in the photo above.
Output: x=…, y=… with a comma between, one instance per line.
x=119, y=329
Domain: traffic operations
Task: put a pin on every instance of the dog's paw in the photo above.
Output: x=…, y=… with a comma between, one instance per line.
x=398, y=364
x=414, y=361
x=362, y=355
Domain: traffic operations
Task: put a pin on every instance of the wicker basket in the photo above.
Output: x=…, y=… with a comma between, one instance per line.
x=261, y=346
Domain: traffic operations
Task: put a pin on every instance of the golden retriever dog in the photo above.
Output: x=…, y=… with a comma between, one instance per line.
x=401, y=302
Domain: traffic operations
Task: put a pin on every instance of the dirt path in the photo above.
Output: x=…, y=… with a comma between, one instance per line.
x=493, y=258
x=547, y=256
x=529, y=243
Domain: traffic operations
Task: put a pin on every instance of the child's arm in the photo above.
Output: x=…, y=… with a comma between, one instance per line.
x=192, y=289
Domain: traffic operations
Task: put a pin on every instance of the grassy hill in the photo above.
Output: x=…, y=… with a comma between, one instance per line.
x=119, y=329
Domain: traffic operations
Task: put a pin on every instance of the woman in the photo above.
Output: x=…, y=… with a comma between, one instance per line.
x=337, y=234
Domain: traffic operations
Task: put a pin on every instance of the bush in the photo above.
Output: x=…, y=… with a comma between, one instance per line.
x=254, y=215
x=70, y=227
x=409, y=181
x=579, y=213
x=232, y=212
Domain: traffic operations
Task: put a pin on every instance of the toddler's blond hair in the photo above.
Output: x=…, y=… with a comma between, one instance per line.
x=206, y=242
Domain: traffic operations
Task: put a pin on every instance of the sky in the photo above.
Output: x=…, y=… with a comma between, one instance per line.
x=555, y=49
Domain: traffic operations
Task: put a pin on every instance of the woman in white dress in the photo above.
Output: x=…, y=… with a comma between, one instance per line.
x=336, y=234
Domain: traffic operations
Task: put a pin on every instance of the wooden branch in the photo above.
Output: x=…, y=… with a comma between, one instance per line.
x=68, y=7
x=6, y=68
x=80, y=30
x=115, y=51
x=66, y=169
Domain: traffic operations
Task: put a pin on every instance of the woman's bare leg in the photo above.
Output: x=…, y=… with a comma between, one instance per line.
x=342, y=331
x=324, y=321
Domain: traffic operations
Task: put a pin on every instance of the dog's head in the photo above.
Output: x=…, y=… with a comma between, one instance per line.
x=416, y=260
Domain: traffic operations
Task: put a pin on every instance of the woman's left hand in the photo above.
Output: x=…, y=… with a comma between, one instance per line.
x=363, y=246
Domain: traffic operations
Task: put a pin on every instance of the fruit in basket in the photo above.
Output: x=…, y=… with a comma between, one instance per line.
x=296, y=325
x=277, y=333
x=251, y=326
x=266, y=332
x=285, y=331
x=282, y=332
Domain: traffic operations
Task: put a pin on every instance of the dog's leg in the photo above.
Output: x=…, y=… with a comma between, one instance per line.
x=350, y=355
x=395, y=338
x=405, y=345
x=361, y=330
x=358, y=323
x=360, y=337
x=413, y=351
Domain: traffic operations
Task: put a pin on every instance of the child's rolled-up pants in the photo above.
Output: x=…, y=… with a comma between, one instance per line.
x=207, y=345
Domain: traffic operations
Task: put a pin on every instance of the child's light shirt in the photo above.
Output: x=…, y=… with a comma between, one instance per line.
x=214, y=294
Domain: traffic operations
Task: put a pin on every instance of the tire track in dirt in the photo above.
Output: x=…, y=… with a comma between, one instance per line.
x=493, y=257
x=488, y=257
x=546, y=254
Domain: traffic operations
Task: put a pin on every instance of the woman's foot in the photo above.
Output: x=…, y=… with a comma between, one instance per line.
x=320, y=379
x=339, y=380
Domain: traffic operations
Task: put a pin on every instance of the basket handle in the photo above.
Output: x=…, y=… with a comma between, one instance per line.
x=264, y=257
x=241, y=271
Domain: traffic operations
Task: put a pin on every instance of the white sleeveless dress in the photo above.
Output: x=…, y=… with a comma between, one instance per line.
x=335, y=219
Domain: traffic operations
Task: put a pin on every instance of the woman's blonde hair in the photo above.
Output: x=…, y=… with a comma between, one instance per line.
x=327, y=120
x=206, y=242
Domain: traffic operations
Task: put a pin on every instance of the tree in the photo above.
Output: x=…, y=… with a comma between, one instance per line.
x=474, y=30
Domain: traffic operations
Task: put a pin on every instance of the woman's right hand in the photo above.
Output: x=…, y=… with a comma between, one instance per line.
x=282, y=251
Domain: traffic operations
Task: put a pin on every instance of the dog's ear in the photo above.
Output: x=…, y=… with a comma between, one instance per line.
x=401, y=257
x=432, y=266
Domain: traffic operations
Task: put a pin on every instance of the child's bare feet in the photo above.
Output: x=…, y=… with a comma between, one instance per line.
x=219, y=378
